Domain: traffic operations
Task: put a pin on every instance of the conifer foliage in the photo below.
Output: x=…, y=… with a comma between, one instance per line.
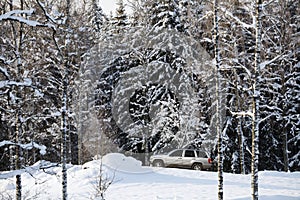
x=145, y=81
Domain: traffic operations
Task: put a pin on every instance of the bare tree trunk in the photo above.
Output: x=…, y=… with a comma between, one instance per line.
x=18, y=159
x=218, y=82
x=285, y=150
x=147, y=156
x=64, y=140
x=65, y=83
x=19, y=41
x=285, y=131
x=241, y=146
x=239, y=128
x=255, y=106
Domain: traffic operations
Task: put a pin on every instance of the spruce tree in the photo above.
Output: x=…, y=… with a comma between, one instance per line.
x=164, y=14
x=119, y=22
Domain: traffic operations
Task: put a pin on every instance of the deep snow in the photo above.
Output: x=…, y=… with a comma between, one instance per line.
x=132, y=181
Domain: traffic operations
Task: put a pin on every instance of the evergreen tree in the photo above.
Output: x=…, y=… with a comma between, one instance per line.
x=119, y=23
x=238, y=54
x=19, y=81
x=98, y=18
x=151, y=94
x=163, y=14
x=278, y=70
x=121, y=18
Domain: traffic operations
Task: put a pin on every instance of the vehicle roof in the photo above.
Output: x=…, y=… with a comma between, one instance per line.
x=188, y=149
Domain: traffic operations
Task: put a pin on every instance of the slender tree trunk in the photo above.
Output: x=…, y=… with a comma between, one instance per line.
x=12, y=148
x=69, y=137
x=241, y=145
x=285, y=131
x=218, y=115
x=255, y=106
x=239, y=128
x=11, y=156
x=64, y=126
x=285, y=149
x=17, y=127
x=79, y=132
x=147, y=156
x=65, y=82
x=18, y=152
x=18, y=159
x=145, y=139
x=64, y=139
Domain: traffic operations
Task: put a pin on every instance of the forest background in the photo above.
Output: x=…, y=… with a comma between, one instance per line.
x=56, y=94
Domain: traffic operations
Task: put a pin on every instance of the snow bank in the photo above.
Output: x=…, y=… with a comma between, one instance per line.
x=122, y=163
x=27, y=146
x=130, y=182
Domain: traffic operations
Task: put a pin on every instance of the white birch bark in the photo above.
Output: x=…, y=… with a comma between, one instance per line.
x=241, y=146
x=19, y=41
x=239, y=128
x=64, y=138
x=64, y=125
x=255, y=106
x=218, y=110
x=18, y=159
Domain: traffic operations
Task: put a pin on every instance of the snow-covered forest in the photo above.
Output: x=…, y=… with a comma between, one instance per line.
x=76, y=83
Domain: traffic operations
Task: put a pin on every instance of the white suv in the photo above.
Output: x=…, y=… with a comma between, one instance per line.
x=183, y=158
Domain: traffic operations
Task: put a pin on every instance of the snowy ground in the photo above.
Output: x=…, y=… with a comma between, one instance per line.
x=131, y=181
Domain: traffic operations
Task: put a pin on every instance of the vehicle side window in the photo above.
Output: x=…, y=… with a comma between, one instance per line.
x=177, y=153
x=189, y=153
x=201, y=154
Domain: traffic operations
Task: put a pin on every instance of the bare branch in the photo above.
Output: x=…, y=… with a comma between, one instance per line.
x=245, y=25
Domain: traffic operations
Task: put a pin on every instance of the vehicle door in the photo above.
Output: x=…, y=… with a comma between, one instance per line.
x=188, y=157
x=175, y=158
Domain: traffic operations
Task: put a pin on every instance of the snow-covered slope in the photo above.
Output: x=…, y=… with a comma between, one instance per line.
x=132, y=181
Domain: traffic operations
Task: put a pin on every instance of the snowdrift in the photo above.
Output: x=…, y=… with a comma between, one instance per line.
x=131, y=180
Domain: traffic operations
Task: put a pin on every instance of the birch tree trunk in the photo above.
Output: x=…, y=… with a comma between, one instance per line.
x=18, y=160
x=19, y=42
x=284, y=136
x=239, y=128
x=218, y=121
x=241, y=146
x=64, y=137
x=64, y=118
x=255, y=106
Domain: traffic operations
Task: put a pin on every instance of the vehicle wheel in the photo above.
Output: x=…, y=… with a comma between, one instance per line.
x=197, y=166
x=158, y=163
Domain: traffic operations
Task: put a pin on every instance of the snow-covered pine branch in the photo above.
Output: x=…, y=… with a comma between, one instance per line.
x=27, y=82
x=242, y=113
x=11, y=15
x=28, y=146
x=31, y=170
